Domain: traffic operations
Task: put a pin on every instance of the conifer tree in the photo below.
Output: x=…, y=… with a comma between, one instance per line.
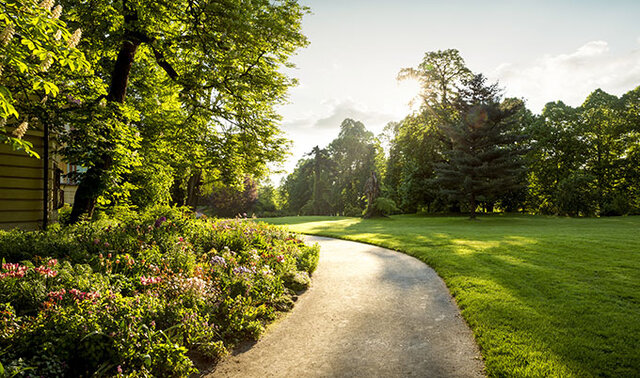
x=484, y=159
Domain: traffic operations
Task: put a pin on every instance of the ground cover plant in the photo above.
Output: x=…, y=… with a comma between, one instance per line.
x=142, y=294
x=544, y=296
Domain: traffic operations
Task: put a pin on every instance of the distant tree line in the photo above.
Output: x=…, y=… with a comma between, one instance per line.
x=468, y=149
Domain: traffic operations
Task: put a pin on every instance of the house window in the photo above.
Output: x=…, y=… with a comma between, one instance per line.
x=69, y=177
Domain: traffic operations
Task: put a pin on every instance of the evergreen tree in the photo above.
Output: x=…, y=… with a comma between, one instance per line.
x=322, y=169
x=484, y=159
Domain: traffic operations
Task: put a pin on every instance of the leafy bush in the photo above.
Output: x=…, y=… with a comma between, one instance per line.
x=64, y=214
x=385, y=206
x=382, y=207
x=575, y=195
x=352, y=211
x=142, y=293
x=619, y=205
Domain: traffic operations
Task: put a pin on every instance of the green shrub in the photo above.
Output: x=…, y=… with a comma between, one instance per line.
x=308, y=258
x=352, y=211
x=297, y=281
x=385, y=206
x=64, y=214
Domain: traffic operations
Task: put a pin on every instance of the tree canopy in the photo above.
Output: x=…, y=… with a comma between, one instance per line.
x=38, y=55
x=158, y=101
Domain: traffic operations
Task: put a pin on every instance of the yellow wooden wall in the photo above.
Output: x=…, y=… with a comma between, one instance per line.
x=21, y=185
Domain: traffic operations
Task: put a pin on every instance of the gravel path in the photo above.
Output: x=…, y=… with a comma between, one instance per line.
x=370, y=312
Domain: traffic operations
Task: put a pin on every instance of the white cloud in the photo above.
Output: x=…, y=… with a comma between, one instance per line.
x=349, y=109
x=571, y=77
x=329, y=118
x=320, y=126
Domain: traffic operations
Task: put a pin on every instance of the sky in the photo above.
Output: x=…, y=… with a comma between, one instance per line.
x=540, y=51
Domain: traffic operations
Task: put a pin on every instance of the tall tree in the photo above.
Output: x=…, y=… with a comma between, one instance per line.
x=630, y=156
x=353, y=153
x=556, y=160
x=418, y=142
x=220, y=58
x=604, y=128
x=484, y=157
x=322, y=179
x=440, y=74
x=297, y=188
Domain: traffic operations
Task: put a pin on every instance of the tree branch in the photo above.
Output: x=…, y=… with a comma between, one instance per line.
x=162, y=62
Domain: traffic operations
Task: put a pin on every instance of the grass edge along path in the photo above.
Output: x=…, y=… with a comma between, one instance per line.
x=544, y=296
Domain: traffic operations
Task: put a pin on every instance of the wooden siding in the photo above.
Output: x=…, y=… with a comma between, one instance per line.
x=22, y=183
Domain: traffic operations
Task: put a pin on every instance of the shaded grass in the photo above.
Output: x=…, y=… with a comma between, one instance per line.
x=544, y=296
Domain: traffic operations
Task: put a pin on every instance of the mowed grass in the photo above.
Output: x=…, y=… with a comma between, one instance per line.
x=544, y=296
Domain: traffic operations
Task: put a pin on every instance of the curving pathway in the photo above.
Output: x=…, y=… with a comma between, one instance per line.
x=370, y=312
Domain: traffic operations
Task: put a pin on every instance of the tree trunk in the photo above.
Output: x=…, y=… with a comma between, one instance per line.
x=472, y=204
x=193, y=186
x=92, y=183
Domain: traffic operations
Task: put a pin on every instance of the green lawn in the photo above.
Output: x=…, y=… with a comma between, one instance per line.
x=545, y=296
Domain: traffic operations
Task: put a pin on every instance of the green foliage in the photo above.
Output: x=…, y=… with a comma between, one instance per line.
x=332, y=179
x=142, y=292
x=417, y=142
x=197, y=92
x=440, y=73
x=385, y=206
x=417, y=146
x=582, y=160
x=229, y=201
x=575, y=195
x=297, y=187
x=269, y=203
x=298, y=281
x=579, y=161
x=37, y=53
x=484, y=158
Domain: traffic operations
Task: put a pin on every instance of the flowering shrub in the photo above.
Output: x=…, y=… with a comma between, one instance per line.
x=145, y=294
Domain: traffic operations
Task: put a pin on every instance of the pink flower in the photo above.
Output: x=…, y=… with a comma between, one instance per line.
x=57, y=295
x=145, y=281
x=46, y=272
x=52, y=262
x=13, y=270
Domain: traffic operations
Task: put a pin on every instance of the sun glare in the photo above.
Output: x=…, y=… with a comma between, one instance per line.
x=407, y=94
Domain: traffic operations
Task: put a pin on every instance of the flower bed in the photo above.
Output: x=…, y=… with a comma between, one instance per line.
x=142, y=295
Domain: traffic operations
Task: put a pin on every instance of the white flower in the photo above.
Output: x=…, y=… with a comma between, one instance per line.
x=46, y=4
x=58, y=35
x=74, y=39
x=22, y=129
x=57, y=11
x=7, y=34
x=44, y=66
x=3, y=122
